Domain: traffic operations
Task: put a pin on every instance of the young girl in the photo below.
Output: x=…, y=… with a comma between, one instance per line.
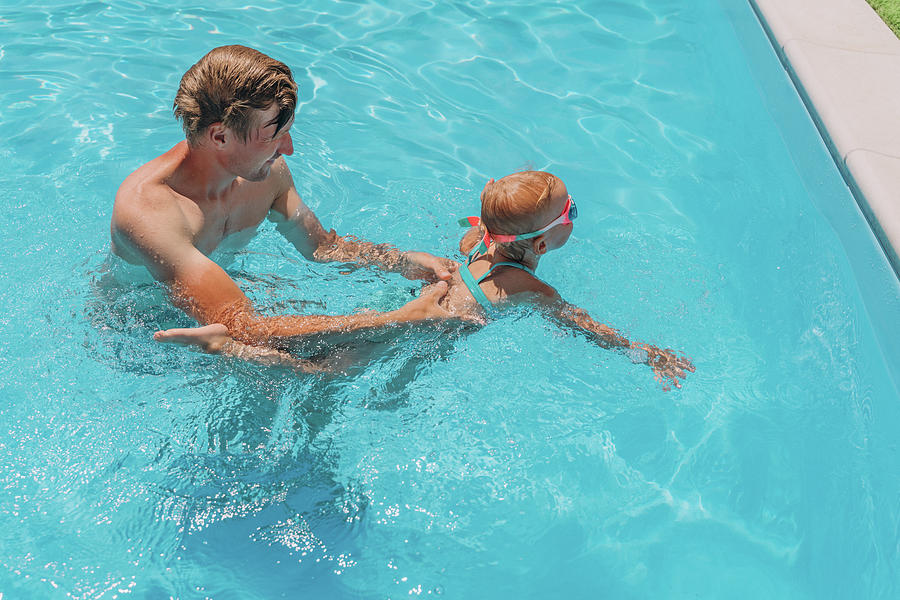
x=523, y=216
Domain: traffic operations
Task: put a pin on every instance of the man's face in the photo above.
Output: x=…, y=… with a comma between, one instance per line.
x=254, y=157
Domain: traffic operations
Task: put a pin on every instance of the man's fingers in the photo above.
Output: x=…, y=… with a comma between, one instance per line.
x=444, y=268
x=171, y=335
x=437, y=291
x=433, y=297
x=421, y=265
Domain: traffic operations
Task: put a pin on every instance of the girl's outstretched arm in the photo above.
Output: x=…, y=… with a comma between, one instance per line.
x=668, y=367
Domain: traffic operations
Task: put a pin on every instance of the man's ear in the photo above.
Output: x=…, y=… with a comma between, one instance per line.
x=217, y=135
x=539, y=245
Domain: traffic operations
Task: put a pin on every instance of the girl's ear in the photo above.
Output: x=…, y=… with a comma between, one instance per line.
x=539, y=245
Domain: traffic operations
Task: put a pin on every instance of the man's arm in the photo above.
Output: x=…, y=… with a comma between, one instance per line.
x=214, y=339
x=156, y=231
x=304, y=230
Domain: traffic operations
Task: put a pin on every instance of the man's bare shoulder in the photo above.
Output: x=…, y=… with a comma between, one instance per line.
x=278, y=184
x=145, y=203
x=148, y=182
x=281, y=174
x=289, y=206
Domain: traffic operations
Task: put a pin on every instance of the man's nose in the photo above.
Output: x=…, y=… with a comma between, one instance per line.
x=286, y=146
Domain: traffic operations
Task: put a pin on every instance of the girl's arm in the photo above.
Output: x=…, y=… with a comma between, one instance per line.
x=668, y=367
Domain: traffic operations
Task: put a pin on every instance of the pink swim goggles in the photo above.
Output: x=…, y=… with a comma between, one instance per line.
x=569, y=213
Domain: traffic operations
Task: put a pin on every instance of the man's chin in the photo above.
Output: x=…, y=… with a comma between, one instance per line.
x=260, y=175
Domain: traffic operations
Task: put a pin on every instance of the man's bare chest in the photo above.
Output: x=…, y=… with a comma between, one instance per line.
x=214, y=222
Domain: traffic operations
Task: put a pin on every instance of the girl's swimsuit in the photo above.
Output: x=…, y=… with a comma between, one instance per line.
x=472, y=283
x=570, y=211
x=466, y=274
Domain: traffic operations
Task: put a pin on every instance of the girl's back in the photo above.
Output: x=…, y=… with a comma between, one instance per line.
x=505, y=284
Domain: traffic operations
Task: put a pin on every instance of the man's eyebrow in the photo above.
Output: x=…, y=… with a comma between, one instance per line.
x=274, y=121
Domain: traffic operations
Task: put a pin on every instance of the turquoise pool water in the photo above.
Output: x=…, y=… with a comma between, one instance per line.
x=516, y=461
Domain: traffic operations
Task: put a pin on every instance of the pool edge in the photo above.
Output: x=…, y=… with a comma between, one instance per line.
x=845, y=63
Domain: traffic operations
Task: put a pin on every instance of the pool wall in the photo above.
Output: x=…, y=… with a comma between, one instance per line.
x=874, y=272
x=845, y=64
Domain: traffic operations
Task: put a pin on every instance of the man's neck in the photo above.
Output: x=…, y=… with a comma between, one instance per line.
x=200, y=176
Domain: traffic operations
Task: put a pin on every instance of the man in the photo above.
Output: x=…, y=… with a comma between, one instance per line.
x=237, y=107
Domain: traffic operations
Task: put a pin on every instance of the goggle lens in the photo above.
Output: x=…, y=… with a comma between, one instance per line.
x=573, y=211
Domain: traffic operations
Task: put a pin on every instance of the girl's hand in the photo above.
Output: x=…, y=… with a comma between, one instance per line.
x=668, y=367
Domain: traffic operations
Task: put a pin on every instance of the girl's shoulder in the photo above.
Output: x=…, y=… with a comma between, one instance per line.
x=536, y=291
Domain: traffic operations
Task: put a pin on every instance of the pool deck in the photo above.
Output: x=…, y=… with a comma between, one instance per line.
x=845, y=63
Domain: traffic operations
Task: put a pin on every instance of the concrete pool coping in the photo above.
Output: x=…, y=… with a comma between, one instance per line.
x=845, y=62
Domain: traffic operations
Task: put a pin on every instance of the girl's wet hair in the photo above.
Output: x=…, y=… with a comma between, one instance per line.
x=518, y=203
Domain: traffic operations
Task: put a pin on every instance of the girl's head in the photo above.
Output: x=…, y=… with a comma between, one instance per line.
x=525, y=202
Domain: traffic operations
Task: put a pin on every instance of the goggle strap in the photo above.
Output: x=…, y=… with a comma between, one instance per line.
x=500, y=237
x=485, y=241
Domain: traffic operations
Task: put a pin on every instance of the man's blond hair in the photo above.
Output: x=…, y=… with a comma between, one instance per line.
x=227, y=85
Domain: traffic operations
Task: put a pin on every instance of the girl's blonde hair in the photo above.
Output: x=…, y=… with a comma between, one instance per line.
x=518, y=203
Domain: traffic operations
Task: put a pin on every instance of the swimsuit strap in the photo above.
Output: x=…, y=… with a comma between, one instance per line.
x=504, y=264
x=471, y=283
x=474, y=289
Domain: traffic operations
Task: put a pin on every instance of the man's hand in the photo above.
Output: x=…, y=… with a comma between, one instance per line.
x=421, y=265
x=210, y=338
x=426, y=305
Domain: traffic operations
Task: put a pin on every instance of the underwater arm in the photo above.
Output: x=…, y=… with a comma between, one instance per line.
x=214, y=339
x=668, y=367
x=204, y=291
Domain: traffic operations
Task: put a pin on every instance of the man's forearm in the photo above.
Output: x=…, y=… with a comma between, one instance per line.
x=255, y=329
x=351, y=249
x=246, y=325
x=266, y=356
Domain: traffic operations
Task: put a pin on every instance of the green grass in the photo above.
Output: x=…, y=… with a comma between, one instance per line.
x=889, y=11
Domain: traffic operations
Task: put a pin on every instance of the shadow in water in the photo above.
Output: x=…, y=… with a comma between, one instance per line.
x=239, y=445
